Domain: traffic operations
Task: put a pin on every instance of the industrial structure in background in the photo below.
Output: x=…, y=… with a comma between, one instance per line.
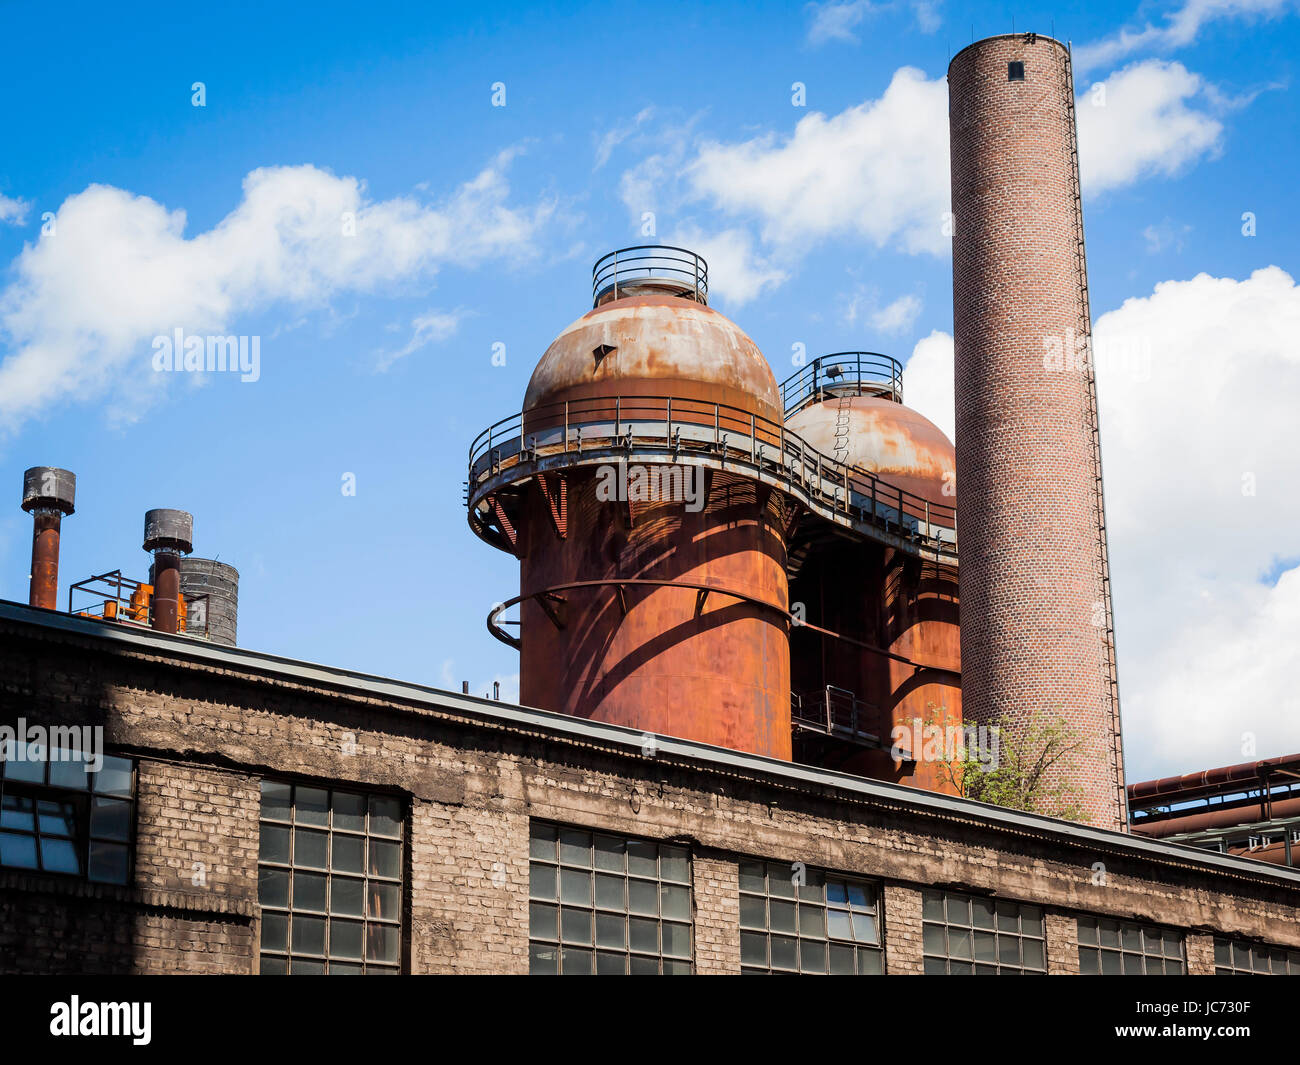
x=811, y=604
x=733, y=596
x=187, y=595
x=669, y=502
x=1250, y=809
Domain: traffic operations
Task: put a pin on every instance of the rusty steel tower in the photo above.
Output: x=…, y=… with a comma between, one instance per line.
x=652, y=572
x=660, y=496
x=1037, y=635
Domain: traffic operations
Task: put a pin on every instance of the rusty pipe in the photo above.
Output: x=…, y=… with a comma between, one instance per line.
x=1204, y=820
x=48, y=494
x=166, y=591
x=44, y=590
x=1208, y=780
x=168, y=534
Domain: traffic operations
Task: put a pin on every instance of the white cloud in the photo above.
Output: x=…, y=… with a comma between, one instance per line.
x=737, y=272
x=118, y=270
x=898, y=316
x=1196, y=385
x=928, y=382
x=1165, y=235
x=836, y=21
x=1179, y=29
x=426, y=329
x=612, y=138
x=13, y=211
x=655, y=181
x=927, y=15
x=877, y=170
x=1205, y=646
x=1144, y=127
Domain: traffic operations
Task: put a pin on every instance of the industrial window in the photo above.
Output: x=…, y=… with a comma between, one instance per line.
x=329, y=881
x=607, y=904
x=1121, y=947
x=962, y=935
x=1015, y=71
x=1233, y=957
x=58, y=815
x=799, y=920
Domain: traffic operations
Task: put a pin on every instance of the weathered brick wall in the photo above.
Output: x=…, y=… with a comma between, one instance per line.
x=1200, y=955
x=1062, y=944
x=1032, y=596
x=54, y=926
x=716, y=896
x=903, y=932
x=205, y=736
x=469, y=890
x=196, y=830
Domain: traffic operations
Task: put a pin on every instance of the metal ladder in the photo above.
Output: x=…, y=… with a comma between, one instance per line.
x=1110, y=665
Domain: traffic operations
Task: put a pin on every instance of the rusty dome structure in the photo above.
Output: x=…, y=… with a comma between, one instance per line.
x=660, y=500
x=653, y=587
x=896, y=660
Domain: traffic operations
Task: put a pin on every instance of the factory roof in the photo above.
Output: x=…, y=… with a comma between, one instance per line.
x=115, y=637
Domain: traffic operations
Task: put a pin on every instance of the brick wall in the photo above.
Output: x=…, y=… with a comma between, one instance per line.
x=903, y=942
x=1032, y=602
x=1062, y=944
x=1200, y=955
x=716, y=895
x=205, y=735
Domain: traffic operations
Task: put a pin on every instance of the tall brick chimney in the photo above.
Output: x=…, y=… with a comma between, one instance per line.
x=1036, y=624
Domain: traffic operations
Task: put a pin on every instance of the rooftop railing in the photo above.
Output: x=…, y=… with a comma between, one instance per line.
x=572, y=431
x=679, y=270
x=843, y=373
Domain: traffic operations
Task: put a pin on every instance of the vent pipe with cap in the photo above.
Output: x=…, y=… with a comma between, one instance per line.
x=48, y=494
x=168, y=534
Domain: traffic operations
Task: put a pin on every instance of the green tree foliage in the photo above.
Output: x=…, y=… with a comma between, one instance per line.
x=1033, y=769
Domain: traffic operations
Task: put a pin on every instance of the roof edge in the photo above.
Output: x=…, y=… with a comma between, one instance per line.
x=788, y=773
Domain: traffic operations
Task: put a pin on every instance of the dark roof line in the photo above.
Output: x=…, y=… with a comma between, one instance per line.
x=631, y=740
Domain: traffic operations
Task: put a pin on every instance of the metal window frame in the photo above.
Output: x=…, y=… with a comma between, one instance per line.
x=595, y=909
x=1290, y=958
x=1143, y=928
x=83, y=800
x=1020, y=935
x=396, y=923
x=875, y=892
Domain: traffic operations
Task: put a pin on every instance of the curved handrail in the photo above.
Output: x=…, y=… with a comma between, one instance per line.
x=675, y=426
x=650, y=262
x=843, y=373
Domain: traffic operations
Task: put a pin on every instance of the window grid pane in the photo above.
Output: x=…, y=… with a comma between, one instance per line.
x=799, y=920
x=963, y=935
x=1109, y=947
x=1235, y=957
x=607, y=904
x=59, y=816
x=329, y=881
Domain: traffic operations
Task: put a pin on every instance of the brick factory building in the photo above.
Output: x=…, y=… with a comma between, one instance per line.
x=736, y=597
x=434, y=832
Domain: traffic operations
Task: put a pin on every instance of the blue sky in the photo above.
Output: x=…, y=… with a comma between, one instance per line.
x=477, y=226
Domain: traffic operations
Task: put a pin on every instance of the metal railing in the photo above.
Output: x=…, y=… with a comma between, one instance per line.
x=675, y=428
x=110, y=599
x=843, y=373
x=683, y=269
x=837, y=712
